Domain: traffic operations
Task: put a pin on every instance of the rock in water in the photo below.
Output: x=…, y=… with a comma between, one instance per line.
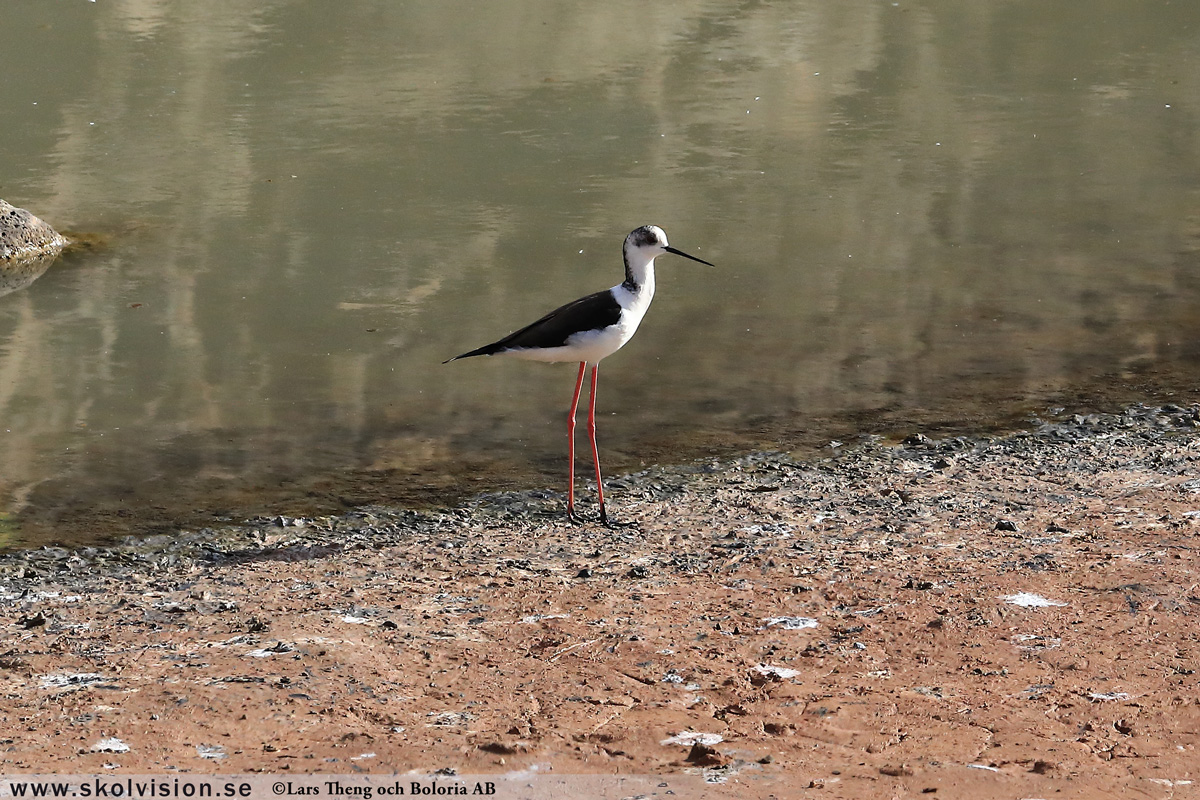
x=22, y=235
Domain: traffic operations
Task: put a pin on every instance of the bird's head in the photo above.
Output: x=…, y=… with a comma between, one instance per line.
x=646, y=243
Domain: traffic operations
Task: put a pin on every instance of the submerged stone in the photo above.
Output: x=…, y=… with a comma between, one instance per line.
x=23, y=236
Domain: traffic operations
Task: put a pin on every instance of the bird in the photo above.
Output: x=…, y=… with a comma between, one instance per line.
x=587, y=330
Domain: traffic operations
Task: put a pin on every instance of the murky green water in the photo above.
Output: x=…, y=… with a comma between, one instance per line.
x=925, y=214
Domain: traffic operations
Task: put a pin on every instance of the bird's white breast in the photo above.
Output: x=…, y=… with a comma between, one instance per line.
x=591, y=346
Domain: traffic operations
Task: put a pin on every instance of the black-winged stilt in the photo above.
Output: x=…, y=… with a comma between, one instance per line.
x=586, y=331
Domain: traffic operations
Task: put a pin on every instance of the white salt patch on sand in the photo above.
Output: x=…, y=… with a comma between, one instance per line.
x=790, y=623
x=113, y=745
x=1030, y=600
x=780, y=672
x=689, y=738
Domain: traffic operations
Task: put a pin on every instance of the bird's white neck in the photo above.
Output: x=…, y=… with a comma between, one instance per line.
x=634, y=294
x=639, y=274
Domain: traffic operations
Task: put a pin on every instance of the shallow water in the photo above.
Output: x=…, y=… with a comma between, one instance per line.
x=924, y=217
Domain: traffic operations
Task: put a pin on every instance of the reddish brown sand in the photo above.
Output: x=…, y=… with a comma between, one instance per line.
x=493, y=639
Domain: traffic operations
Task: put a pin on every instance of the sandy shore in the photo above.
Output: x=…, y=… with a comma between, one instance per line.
x=1009, y=617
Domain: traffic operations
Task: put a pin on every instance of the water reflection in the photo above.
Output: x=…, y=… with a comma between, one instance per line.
x=924, y=215
x=16, y=275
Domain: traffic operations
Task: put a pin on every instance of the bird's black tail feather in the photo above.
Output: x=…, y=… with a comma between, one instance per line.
x=486, y=350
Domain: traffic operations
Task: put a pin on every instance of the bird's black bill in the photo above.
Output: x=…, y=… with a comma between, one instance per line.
x=685, y=255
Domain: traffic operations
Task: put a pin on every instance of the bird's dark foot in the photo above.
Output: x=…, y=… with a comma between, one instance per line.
x=612, y=523
x=574, y=520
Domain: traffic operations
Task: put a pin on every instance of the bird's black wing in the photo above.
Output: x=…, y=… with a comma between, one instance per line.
x=595, y=311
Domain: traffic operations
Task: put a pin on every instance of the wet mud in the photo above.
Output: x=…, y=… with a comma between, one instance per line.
x=1005, y=616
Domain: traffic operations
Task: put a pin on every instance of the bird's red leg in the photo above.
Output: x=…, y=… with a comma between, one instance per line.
x=571, y=444
x=595, y=452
